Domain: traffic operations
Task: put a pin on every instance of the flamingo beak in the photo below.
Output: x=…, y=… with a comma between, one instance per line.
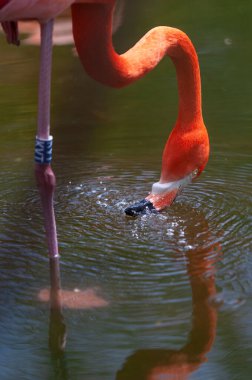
x=141, y=207
x=161, y=196
x=153, y=203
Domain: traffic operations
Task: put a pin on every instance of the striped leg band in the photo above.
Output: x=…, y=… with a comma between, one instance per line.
x=43, y=150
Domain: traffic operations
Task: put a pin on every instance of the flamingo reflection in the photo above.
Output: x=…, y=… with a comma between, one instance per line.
x=151, y=364
x=157, y=364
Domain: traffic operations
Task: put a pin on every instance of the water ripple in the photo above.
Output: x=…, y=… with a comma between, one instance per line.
x=143, y=260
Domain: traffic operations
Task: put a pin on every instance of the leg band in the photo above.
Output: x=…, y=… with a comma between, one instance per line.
x=43, y=150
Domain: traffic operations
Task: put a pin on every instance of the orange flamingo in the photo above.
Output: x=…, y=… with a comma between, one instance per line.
x=187, y=149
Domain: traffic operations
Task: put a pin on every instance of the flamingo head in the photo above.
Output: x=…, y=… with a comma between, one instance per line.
x=184, y=158
x=161, y=196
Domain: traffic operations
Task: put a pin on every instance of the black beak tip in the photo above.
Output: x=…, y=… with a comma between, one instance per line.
x=140, y=208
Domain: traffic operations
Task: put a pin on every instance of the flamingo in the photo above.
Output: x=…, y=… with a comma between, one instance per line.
x=187, y=148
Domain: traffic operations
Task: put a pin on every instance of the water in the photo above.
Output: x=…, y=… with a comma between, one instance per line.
x=178, y=284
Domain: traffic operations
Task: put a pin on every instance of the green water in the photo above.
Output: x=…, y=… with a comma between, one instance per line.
x=178, y=283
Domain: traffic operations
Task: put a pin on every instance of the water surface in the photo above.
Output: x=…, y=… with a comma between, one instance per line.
x=178, y=283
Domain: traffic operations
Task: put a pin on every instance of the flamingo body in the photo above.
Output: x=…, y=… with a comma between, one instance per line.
x=3, y=3
x=42, y=10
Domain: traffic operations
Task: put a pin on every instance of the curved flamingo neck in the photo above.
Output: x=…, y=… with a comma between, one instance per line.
x=92, y=29
x=189, y=84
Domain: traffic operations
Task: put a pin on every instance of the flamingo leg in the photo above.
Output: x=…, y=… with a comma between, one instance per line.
x=44, y=174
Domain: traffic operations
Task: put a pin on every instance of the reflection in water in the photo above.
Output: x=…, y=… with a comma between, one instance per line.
x=157, y=364
x=75, y=299
x=201, y=254
x=153, y=364
x=57, y=327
